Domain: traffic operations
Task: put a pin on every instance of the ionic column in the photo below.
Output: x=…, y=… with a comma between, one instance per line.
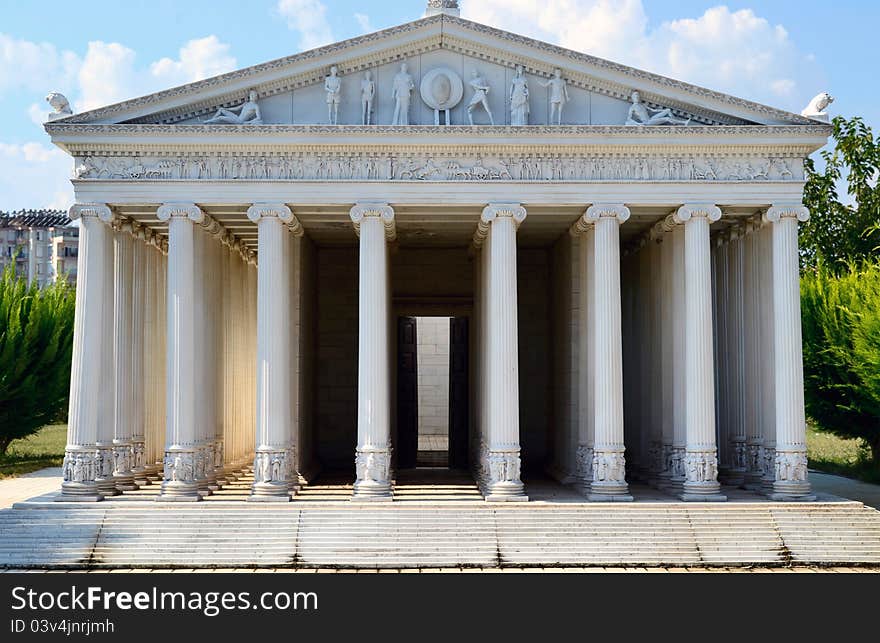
x=662, y=232
x=272, y=466
x=735, y=349
x=583, y=231
x=609, y=464
x=722, y=359
x=767, y=327
x=701, y=454
x=496, y=236
x=123, y=335
x=374, y=224
x=753, y=392
x=182, y=389
x=791, y=481
x=679, y=392
x=141, y=268
x=91, y=375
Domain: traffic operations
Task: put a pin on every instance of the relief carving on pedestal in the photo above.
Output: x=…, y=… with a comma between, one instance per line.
x=609, y=466
x=504, y=466
x=179, y=467
x=80, y=466
x=701, y=466
x=791, y=466
x=374, y=466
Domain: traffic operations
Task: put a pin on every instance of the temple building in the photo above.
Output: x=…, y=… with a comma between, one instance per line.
x=612, y=256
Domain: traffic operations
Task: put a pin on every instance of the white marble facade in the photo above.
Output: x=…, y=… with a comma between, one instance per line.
x=669, y=212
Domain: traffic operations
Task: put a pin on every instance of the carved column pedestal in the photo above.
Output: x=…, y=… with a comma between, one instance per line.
x=374, y=224
x=609, y=465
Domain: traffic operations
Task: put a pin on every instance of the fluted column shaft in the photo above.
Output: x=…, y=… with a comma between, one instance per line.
x=123, y=335
x=754, y=392
x=701, y=454
x=496, y=235
x=375, y=225
x=583, y=231
x=88, y=415
x=182, y=432
x=609, y=464
x=722, y=358
x=272, y=465
x=663, y=230
x=735, y=349
x=138, y=356
x=791, y=481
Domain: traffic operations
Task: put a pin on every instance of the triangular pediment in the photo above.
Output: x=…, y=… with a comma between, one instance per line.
x=291, y=90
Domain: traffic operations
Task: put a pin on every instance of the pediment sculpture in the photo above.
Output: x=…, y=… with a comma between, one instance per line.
x=519, y=98
x=481, y=91
x=642, y=115
x=248, y=113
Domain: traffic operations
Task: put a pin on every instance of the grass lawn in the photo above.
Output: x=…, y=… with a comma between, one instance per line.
x=831, y=454
x=43, y=449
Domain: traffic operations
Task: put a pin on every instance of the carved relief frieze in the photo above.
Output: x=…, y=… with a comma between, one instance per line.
x=419, y=166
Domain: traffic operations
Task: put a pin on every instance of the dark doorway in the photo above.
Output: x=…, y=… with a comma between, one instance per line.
x=432, y=395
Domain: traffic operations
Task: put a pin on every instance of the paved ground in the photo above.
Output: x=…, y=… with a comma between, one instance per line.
x=40, y=482
x=846, y=488
x=456, y=570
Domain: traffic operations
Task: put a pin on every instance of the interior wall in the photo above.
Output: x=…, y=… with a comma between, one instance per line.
x=337, y=349
x=535, y=356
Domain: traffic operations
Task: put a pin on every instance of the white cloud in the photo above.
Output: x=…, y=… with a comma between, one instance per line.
x=737, y=52
x=34, y=66
x=33, y=175
x=200, y=58
x=107, y=75
x=309, y=18
x=364, y=23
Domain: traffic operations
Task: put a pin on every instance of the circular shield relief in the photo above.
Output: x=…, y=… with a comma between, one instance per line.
x=441, y=88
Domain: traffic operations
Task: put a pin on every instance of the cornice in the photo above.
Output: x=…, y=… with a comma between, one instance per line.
x=438, y=131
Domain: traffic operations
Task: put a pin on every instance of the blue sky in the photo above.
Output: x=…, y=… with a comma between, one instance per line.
x=779, y=52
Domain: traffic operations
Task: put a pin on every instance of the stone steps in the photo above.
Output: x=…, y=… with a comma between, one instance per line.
x=438, y=535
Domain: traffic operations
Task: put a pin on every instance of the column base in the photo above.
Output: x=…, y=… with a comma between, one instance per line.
x=107, y=487
x=787, y=497
x=706, y=491
x=752, y=481
x=372, y=491
x=270, y=492
x=79, y=492
x=496, y=498
x=125, y=482
x=179, y=491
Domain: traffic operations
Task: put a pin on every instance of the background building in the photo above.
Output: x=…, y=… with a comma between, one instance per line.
x=42, y=243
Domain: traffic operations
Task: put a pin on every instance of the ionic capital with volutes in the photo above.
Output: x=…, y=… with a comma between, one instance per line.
x=789, y=211
x=189, y=210
x=99, y=210
x=697, y=210
x=493, y=211
x=600, y=211
x=382, y=211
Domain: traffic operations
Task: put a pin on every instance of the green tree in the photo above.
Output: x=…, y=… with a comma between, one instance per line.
x=840, y=232
x=36, y=339
x=841, y=325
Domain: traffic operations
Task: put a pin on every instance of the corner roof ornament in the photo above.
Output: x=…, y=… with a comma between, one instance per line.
x=448, y=7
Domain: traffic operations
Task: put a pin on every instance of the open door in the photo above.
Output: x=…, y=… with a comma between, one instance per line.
x=407, y=393
x=458, y=393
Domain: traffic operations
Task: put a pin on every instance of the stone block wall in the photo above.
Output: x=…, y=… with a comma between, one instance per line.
x=432, y=349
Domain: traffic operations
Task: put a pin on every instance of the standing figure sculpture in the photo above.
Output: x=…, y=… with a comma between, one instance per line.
x=481, y=90
x=333, y=87
x=640, y=114
x=558, y=96
x=368, y=91
x=519, y=98
x=248, y=113
x=402, y=87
